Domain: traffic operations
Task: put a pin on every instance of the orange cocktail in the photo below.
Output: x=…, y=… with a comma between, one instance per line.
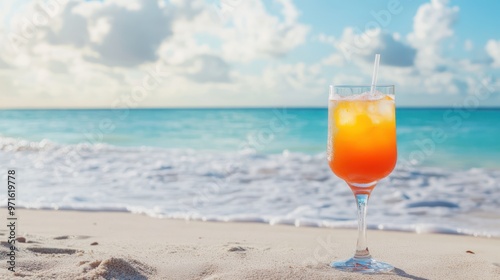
x=361, y=150
x=362, y=138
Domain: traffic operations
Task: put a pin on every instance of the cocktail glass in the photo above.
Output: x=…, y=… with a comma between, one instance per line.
x=361, y=151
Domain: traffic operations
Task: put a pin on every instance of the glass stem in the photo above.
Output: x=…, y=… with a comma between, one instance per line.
x=362, y=246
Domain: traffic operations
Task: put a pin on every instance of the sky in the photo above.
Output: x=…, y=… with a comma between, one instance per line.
x=244, y=53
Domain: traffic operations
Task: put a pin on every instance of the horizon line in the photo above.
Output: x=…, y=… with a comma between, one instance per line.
x=231, y=108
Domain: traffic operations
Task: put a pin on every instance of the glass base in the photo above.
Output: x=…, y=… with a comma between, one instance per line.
x=362, y=265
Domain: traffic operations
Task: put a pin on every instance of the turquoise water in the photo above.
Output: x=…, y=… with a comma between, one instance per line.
x=465, y=139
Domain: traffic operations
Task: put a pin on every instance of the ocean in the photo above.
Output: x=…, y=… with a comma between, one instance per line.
x=259, y=165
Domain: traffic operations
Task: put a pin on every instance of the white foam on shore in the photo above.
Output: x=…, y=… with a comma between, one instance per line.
x=288, y=188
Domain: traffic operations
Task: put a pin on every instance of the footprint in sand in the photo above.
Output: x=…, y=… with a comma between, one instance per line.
x=240, y=251
x=21, y=274
x=208, y=272
x=5, y=244
x=236, y=249
x=42, y=250
x=64, y=237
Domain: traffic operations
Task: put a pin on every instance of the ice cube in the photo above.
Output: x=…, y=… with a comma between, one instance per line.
x=372, y=107
x=345, y=116
x=386, y=108
x=376, y=95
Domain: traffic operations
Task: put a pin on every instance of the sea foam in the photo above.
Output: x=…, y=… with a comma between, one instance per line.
x=288, y=188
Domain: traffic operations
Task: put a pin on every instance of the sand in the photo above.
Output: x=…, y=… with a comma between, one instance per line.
x=96, y=245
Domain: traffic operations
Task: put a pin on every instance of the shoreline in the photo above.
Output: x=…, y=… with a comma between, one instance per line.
x=141, y=247
x=303, y=223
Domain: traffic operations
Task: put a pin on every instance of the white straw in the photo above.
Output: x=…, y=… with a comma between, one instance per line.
x=375, y=72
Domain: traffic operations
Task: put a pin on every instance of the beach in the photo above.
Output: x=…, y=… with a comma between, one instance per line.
x=113, y=245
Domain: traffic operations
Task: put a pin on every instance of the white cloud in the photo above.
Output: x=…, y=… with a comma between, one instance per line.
x=289, y=11
x=3, y=64
x=335, y=59
x=208, y=68
x=369, y=43
x=468, y=45
x=327, y=39
x=299, y=77
x=251, y=32
x=99, y=29
x=135, y=33
x=344, y=79
x=493, y=50
x=432, y=24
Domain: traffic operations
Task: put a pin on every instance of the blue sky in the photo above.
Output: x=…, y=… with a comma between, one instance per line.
x=244, y=53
